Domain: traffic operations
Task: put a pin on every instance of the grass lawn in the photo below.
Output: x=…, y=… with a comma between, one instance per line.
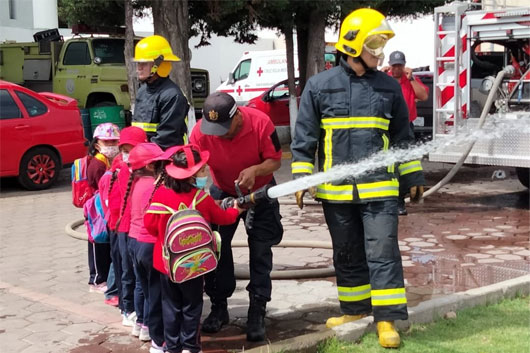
x=498, y=328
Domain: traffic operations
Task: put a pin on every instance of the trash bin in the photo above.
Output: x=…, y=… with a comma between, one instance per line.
x=87, y=128
x=112, y=114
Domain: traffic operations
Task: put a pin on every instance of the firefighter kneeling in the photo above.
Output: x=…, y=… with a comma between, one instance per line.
x=351, y=112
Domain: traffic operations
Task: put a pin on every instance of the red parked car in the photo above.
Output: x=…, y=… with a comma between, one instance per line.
x=275, y=102
x=39, y=134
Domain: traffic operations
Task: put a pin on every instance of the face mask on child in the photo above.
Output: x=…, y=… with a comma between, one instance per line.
x=125, y=157
x=109, y=151
x=200, y=182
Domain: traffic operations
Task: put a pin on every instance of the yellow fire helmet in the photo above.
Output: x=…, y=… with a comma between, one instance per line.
x=360, y=25
x=155, y=49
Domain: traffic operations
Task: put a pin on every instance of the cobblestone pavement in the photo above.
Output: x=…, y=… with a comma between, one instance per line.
x=473, y=233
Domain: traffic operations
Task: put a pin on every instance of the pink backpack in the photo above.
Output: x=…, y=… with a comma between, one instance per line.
x=190, y=249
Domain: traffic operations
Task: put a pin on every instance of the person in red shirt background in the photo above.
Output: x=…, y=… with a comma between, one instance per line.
x=244, y=149
x=182, y=302
x=413, y=91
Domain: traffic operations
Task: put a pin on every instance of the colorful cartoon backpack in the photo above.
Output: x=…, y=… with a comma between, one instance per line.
x=190, y=249
x=95, y=222
x=81, y=190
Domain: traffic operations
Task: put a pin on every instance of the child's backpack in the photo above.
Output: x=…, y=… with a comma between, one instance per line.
x=95, y=222
x=81, y=190
x=191, y=249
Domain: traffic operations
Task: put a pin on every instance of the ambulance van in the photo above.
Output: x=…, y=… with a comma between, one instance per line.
x=255, y=73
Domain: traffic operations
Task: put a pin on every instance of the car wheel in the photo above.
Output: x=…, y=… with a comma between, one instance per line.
x=523, y=174
x=39, y=169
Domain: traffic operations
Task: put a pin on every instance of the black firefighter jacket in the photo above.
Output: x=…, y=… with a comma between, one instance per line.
x=349, y=118
x=161, y=110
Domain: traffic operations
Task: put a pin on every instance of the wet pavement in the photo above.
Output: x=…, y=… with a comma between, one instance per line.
x=472, y=233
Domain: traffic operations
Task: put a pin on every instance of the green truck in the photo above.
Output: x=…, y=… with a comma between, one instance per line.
x=90, y=69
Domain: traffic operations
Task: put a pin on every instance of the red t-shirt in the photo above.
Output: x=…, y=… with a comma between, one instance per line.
x=122, y=181
x=409, y=95
x=155, y=223
x=141, y=192
x=251, y=146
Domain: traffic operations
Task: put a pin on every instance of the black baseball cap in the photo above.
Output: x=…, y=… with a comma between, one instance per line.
x=397, y=57
x=218, y=110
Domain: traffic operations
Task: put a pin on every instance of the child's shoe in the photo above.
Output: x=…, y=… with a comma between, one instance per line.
x=156, y=348
x=129, y=320
x=98, y=288
x=144, y=334
x=136, y=329
x=113, y=301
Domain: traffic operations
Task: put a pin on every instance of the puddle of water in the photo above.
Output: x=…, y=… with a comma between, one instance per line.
x=447, y=275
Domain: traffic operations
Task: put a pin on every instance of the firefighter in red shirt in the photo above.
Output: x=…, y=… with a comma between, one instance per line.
x=413, y=90
x=244, y=149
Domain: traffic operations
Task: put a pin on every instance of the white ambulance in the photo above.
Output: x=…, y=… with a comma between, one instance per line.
x=255, y=73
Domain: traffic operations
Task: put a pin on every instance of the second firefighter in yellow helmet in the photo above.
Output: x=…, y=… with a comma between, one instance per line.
x=155, y=49
x=161, y=109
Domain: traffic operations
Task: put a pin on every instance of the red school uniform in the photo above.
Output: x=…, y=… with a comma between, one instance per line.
x=155, y=223
x=251, y=146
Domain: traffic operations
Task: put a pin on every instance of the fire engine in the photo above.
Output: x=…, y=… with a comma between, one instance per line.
x=471, y=46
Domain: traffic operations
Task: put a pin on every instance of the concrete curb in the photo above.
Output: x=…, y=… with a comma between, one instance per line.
x=425, y=312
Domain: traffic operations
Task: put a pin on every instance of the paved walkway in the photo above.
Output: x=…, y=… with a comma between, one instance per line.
x=473, y=233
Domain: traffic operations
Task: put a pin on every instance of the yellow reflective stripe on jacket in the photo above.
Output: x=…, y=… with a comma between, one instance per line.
x=335, y=192
x=394, y=296
x=355, y=122
x=386, y=144
x=328, y=149
x=409, y=167
x=354, y=294
x=378, y=189
x=147, y=127
x=302, y=167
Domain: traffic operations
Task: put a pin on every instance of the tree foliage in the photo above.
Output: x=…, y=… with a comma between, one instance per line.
x=92, y=12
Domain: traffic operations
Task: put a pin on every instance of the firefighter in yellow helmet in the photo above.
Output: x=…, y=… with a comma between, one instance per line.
x=349, y=113
x=161, y=108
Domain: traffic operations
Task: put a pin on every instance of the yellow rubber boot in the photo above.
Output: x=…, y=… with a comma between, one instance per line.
x=336, y=321
x=388, y=336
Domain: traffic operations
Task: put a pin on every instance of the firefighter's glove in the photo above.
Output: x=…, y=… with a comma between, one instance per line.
x=300, y=195
x=416, y=193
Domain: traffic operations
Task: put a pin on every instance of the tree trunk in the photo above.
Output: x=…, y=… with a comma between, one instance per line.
x=170, y=20
x=132, y=82
x=289, y=44
x=301, y=38
x=316, y=44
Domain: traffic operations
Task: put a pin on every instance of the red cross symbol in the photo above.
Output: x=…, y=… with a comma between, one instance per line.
x=239, y=90
x=260, y=71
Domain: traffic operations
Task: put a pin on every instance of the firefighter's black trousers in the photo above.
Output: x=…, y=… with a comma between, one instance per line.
x=267, y=231
x=367, y=259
